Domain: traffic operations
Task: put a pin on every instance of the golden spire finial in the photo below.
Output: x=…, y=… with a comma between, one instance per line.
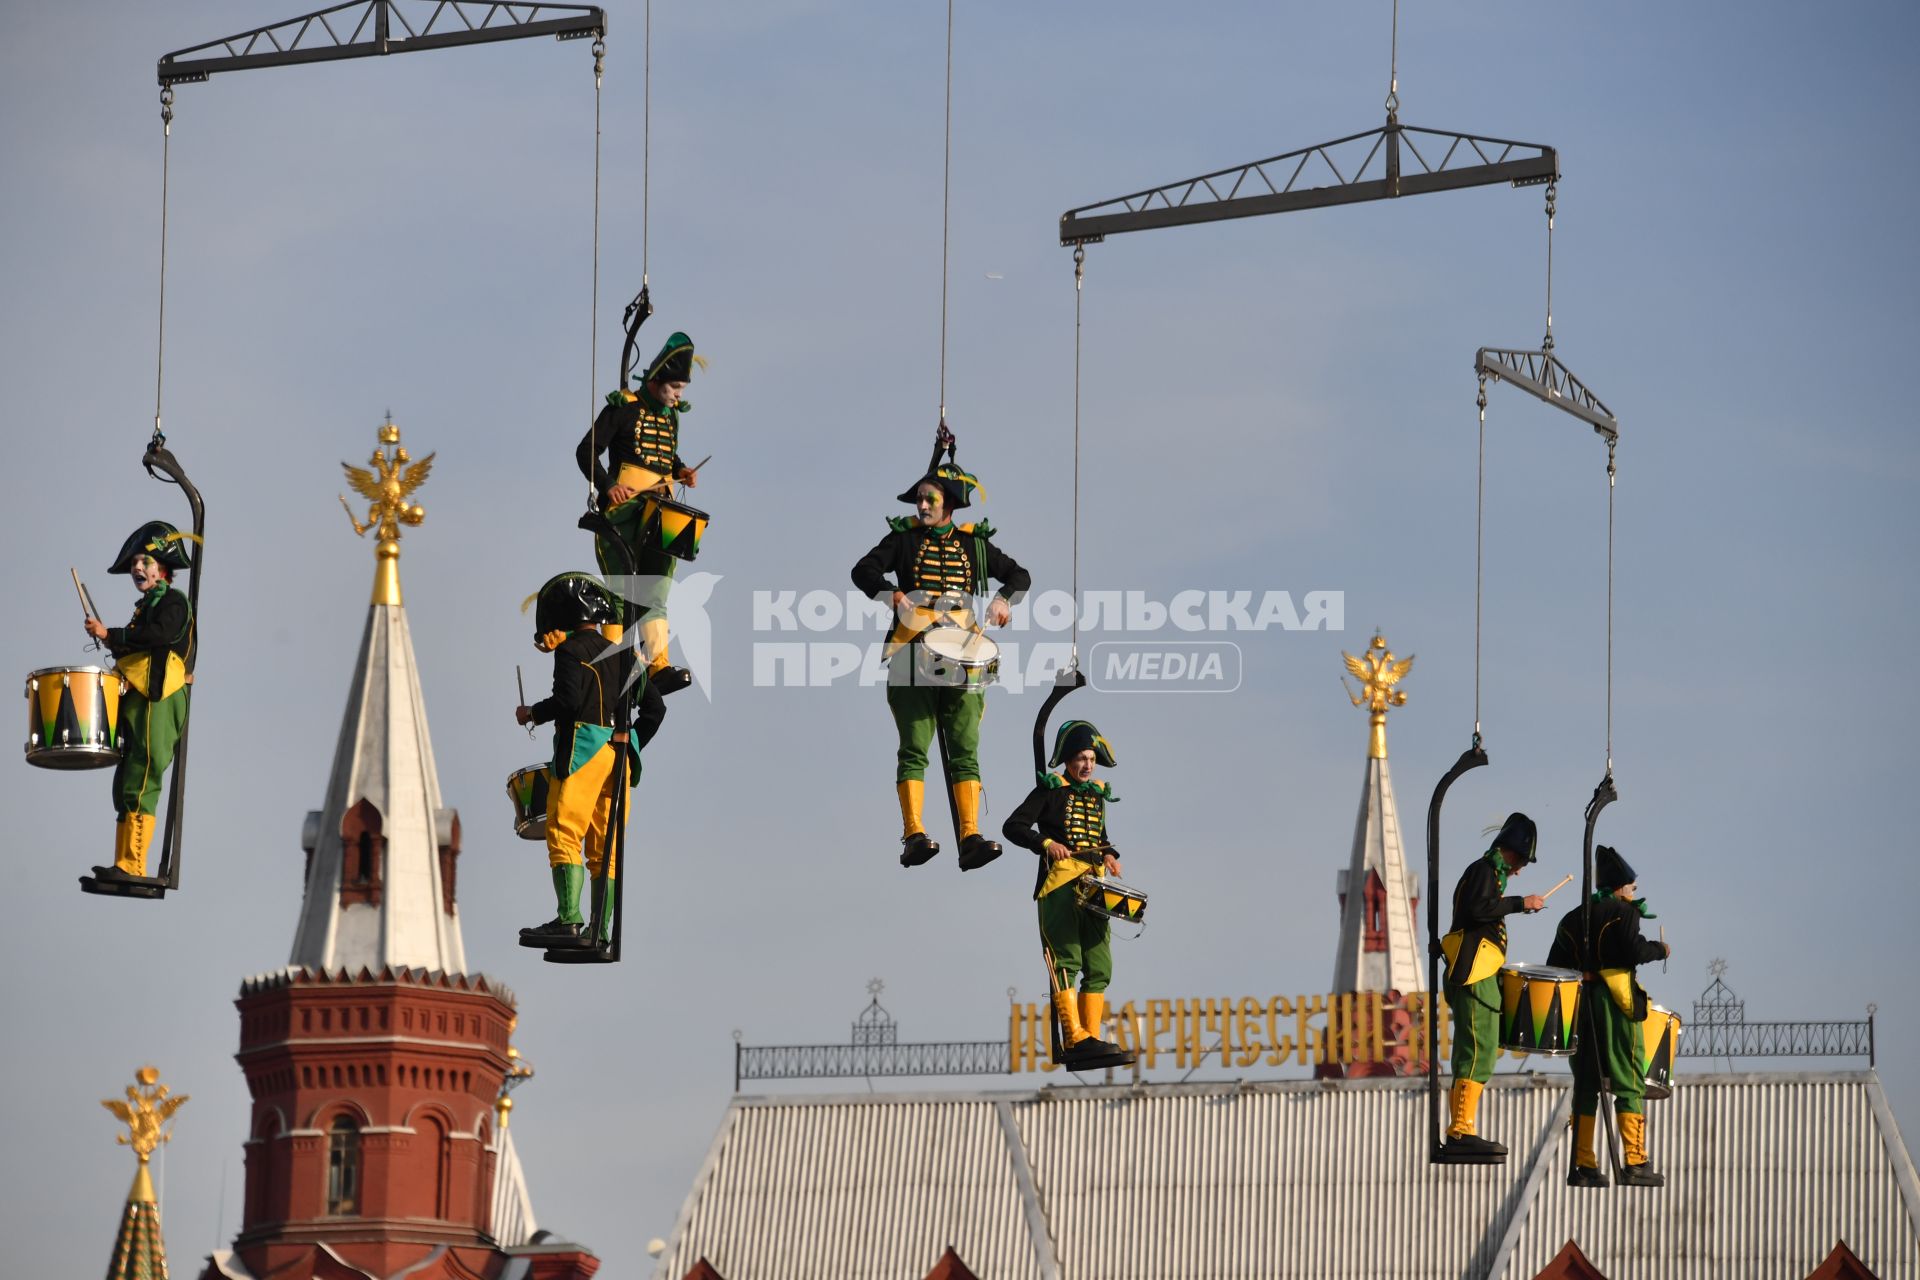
x=146, y=1112
x=1377, y=671
x=519, y=1071
x=386, y=488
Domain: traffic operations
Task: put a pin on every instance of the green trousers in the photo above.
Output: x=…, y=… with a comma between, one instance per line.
x=149, y=731
x=650, y=563
x=1610, y=1044
x=1476, y=1028
x=1079, y=940
x=918, y=711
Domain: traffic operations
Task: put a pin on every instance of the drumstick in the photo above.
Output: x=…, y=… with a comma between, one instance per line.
x=1557, y=888
x=86, y=605
x=522, y=682
x=1663, y=943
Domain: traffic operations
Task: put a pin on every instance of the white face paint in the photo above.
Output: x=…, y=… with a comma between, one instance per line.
x=145, y=573
x=932, y=505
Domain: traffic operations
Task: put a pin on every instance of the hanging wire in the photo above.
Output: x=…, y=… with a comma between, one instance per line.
x=593, y=324
x=1479, y=551
x=646, y=139
x=1546, y=343
x=1393, y=68
x=160, y=354
x=946, y=203
x=1079, y=277
x=1610, y=477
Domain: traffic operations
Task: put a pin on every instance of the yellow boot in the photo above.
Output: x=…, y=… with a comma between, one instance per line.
x=975, y=849
x=1093, y=1012
x=653, y=640
x=121, y=858
x=1633, y=1149
x=917, y=847
x=615, y=632
x=1461, y=1138
x=139, y=839
x=1586, y=1160
x=1068, y=1009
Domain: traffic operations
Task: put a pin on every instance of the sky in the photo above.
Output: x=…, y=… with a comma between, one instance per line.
x=1271, y=404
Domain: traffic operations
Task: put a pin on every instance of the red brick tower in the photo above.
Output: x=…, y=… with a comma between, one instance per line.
x=374, y=1058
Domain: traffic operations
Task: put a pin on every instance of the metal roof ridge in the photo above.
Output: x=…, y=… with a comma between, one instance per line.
x=1528, y=1192
x=1039, y=1230
x=1897, y=1154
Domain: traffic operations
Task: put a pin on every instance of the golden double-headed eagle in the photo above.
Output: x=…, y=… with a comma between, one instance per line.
x=387, y=486
x=145, y=1112
x=1378, y=671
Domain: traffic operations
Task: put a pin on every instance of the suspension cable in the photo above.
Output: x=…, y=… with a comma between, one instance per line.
x=1479, y=551
x=946, y=204
x=1393, y=68
x=593, y=324
x=1610, y=478
x=1079, y=277
x=160, y=353
x=1546, y=343
x=646, y=140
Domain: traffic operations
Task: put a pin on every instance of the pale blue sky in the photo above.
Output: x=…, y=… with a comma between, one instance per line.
x=1274, y=403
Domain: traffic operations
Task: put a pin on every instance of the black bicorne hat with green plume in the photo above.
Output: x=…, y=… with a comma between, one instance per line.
x=675, y=361
x=1518, y=835
x=1076, y=736
x=1610, y=870
x=156, y=538
x=957, y=485
x=569, y=601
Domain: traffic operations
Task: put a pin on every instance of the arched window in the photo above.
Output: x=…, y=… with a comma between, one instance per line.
x=362, y=850
x=343, y=1168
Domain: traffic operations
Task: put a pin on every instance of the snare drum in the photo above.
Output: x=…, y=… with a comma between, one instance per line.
x=1659, y=1045
x=527, y=788
x=1537, y=1008
x=73, y=716
x=1105, y=896
x=672, y=527
x=956, y=658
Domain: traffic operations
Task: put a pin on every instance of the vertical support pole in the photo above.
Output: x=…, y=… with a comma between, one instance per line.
x=1472, y=758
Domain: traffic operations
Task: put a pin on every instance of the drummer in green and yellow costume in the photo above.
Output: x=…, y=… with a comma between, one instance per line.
x=929, y=568
x=153, y=653
x=1475, y=948
x=589, y=678
x=1064, y=820
x=640, y=434
x=1613, y=1010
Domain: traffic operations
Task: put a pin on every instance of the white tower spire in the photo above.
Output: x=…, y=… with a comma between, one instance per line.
x=381, y=853
x=1379, y=946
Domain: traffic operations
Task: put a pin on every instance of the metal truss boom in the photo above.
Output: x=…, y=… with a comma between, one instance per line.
x=375, y=28
x=854, y=1061
x=1275, y=185
x=1540, y=373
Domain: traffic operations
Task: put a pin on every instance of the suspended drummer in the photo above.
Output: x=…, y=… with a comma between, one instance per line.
x=1613, y=1009
x=639, y=432
x=590, y=677
x=1475, y=948
x=1064, y=820
x=922, y=562
x=153, y=654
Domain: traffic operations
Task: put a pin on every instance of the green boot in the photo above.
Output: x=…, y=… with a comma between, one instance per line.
x=566, y=925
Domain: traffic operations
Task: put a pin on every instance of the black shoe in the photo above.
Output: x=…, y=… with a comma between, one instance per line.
x=554, y=933
x=918, y=848
x=1472, y=1144
x=116, y=875
x=670, y=679
x=977, y=851
x=1640, y=1175
x=1095, y=1054
x=1581, y=1176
